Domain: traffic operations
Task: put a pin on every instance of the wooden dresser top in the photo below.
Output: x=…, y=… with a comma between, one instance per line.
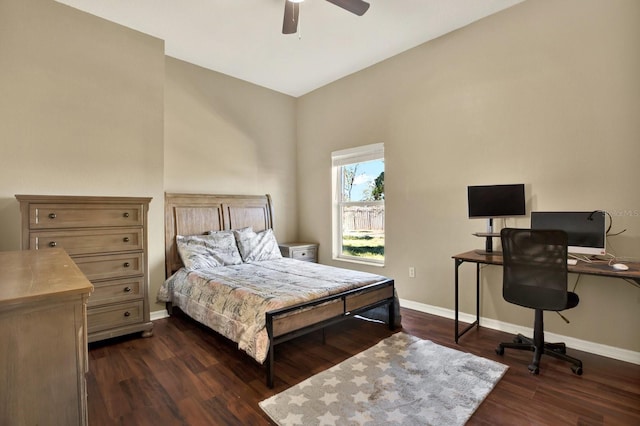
x=28, y=276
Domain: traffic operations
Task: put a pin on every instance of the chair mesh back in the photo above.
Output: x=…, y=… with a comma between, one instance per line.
x=535, y=268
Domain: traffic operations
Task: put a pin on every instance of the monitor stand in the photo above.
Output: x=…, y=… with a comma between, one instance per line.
x=488, y=245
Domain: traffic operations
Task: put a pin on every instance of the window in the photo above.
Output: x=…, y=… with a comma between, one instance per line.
x=358, y=194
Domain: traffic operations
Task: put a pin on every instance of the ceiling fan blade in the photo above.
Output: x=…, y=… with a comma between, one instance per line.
x=358, y=7
x=290, y=22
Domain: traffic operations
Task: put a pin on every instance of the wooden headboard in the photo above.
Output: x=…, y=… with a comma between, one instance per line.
x=195, y=214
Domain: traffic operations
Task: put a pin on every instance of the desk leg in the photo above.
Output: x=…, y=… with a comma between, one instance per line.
x=456, y=335
x=477, y=295
x=476, y=323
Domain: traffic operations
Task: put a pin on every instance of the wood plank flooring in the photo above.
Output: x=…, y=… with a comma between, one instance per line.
x=187, y=374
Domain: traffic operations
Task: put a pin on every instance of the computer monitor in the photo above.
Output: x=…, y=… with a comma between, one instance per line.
x=586, y=230
x=493, y=201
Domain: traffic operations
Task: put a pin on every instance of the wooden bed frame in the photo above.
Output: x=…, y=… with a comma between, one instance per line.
x=195, y=214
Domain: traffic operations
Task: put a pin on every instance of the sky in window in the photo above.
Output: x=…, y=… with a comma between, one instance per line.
x=365, y=176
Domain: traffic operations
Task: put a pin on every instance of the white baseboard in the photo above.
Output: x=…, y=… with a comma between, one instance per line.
x=156, y=315
x=578, y=344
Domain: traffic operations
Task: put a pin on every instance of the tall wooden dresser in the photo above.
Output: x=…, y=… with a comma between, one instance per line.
x=107, y=238
x=43, y=339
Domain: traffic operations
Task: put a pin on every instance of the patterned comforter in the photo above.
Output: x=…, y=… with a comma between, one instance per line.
x=233, y=300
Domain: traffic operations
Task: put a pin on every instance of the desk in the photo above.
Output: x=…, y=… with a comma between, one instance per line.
x=597, y=267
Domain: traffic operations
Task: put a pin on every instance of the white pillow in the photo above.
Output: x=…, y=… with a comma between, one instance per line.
x=257, y=246
x=208, y=251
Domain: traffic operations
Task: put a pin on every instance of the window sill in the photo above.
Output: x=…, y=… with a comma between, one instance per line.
x=359, y=262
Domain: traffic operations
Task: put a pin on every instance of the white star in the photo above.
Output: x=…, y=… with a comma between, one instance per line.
x=387, y=379
x=298, y=400
x=381, y=354
x=403, y=353
x=360, y=397
x=327, y=419
x=361, y=418
x=396, y=416
x=328, y=398
x=409, y=365
x=383, y=366
x=428, y=412
x=292, y=419
x=391, y=396
x=359, y=380
x=331, y=382
x=358, y=367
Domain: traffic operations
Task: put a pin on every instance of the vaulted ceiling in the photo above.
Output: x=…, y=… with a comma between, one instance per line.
x=243, y=38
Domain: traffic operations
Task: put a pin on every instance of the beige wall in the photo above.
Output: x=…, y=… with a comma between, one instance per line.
x=81, y=107
x=226, y=136
x=545, y=93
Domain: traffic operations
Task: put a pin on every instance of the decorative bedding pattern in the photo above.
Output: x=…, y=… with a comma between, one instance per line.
x=233, y=299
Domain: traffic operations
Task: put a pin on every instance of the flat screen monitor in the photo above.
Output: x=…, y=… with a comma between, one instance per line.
x=586, y=230
x=489, y=201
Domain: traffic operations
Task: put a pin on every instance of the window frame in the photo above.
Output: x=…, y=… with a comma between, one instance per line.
x=340, y=159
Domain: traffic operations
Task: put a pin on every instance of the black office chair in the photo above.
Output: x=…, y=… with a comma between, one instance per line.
x=535, y=276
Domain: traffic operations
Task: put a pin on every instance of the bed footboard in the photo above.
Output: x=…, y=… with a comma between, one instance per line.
x=294, y=321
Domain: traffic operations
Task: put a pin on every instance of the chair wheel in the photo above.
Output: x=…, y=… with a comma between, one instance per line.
x=500, y=350
x=517, y=340
x=576, y=370
x=534, y=369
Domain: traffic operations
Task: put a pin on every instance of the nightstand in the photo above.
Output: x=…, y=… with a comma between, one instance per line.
x=307, y=252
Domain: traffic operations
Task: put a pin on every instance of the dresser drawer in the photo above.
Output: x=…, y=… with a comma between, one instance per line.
x=116, y=291
x=309, y=254
x=49, y=216
x=105, y=317
x=88, y=241
x=111, y=266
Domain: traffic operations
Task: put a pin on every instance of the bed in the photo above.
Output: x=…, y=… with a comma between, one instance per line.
x=262, y=299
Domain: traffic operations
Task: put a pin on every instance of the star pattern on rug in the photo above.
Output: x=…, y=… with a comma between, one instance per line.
x=298, y=399
x=359, y=380
x=328, y=398
x=332, y=381
x=359, y=367
x=292, y=419
x=361, y=418
x=403, y=380
x=328, y=419
x=395, y=416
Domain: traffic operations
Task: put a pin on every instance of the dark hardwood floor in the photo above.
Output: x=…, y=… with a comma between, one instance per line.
x=188, y=375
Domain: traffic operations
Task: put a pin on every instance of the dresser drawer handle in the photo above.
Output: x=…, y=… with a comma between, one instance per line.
x=304, y=254
x=126, y=264
x=125, y=239
x=52, y=215
x=127, y=289
x=53, y=244
x=126, y=214
x=127, y=314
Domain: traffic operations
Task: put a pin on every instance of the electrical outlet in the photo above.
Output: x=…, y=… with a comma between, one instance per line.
x=412, y=272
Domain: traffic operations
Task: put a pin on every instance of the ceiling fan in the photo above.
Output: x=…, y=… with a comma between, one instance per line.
x=292, y=9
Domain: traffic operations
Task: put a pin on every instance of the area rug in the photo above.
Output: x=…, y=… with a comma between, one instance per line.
x=402, y=380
